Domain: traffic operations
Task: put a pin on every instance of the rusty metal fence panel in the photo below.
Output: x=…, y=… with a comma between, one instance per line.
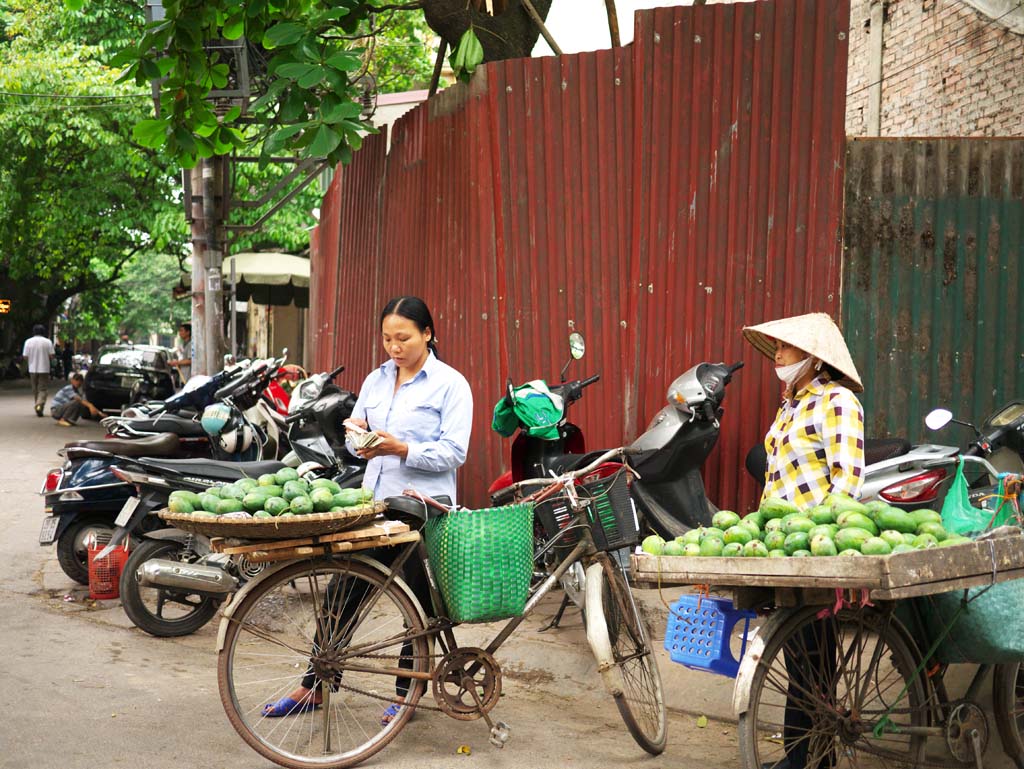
x=932, y=279
x=656, y=198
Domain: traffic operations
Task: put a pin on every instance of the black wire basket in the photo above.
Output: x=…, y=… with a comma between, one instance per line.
x=613, y=522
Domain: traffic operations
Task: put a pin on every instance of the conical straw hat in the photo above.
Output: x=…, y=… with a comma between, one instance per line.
x=815, y=333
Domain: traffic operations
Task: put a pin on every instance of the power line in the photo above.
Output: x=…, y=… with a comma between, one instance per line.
x=928, y=57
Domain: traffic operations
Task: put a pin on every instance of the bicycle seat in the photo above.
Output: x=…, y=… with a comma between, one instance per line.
x=214, y=468
x=881, y=449
x=413, y=512
x=163, y=444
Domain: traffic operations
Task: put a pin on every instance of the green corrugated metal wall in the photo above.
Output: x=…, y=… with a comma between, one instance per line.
x=932, y=277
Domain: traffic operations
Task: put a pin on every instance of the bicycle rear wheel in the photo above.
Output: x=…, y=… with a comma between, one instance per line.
x=311, y=620
x=838, y=691
x=639, y=697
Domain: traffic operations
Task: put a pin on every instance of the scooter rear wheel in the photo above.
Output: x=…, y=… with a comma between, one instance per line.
x=162, y=612
x=72, y=553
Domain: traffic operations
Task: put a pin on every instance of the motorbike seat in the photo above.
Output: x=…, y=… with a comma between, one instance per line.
x=164, y=444
x=565, y=462
x=875, y=450
x=168, y=423
x=214, y=469
x=881, y=449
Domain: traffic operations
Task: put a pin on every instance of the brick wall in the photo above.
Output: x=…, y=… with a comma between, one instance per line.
x=947, y=71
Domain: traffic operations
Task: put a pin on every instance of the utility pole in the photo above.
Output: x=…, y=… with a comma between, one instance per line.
x=205, y=181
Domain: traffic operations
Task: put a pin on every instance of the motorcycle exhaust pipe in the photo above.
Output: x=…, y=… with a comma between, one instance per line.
x=198, y=578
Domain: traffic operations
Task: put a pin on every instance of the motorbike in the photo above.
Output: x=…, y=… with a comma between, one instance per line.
x=82, y=498
x=914, y=477
x=172, y=582
x=668, y=488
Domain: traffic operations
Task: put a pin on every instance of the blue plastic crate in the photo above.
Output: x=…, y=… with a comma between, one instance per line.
x=699, y=630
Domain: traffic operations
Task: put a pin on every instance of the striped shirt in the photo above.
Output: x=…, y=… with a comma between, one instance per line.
x=816, y=445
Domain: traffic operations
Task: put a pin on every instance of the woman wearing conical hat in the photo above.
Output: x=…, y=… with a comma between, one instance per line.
x=816, y=444
x=815, y=447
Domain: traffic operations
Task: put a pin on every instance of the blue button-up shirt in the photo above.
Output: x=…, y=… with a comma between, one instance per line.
x=432, y=413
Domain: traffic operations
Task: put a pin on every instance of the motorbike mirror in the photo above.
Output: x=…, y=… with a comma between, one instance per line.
x=938, y=418
x=577, y=347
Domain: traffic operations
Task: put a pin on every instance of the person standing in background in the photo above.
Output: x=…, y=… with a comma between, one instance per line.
x=37, y=352
x=184, y=351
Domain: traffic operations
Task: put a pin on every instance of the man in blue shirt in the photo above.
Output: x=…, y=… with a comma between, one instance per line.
x=69, y=404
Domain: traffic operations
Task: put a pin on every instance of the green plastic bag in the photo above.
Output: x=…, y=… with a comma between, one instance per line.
x=535, y=409
x=958, y=515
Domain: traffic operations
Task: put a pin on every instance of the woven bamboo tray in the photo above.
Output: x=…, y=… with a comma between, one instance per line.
x=273, y=528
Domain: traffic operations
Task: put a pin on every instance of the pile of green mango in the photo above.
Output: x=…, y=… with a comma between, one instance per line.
x=278, y=494
x=838, y=526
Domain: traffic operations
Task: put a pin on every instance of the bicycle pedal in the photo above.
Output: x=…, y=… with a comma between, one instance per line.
x=500, y=734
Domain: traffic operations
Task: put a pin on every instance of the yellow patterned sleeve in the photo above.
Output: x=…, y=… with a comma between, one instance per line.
x=843, y=438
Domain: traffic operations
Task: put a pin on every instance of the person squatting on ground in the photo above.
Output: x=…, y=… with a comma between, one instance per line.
x=69, y=404
x=815, y=447
x=37, y=352
x=422, y=409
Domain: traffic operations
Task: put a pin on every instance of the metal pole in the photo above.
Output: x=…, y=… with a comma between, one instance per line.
x=198, y=223
x=213, y=283
x=231, y=308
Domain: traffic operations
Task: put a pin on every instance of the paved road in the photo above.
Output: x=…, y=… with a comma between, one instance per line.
x=86, y=690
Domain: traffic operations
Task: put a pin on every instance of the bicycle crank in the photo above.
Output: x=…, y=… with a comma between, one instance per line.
x=966, y=732
x=467, y=684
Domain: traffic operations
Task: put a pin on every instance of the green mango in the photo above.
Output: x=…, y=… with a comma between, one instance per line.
x=776, y=507
x=858, y=521
x=897, y=520
x=875, y=546
x=275, y=505
x=325, y=483
x=229, y=506
x=285, y=474
x=798, y=540
x=851, y=538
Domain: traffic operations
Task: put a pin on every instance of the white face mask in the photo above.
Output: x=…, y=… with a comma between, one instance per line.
x=794, y=372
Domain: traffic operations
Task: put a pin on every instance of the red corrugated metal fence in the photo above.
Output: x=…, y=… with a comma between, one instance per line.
x=656, y=198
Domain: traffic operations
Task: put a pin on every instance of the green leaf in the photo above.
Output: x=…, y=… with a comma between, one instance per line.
x=335, y=113
x=287, y=33
x=232, y=114
x=234, y=27
x=297, y=70
x=166, y=64
x=344, y=61
x=277, y=139
x=150, y=133
x=311, y=78
x=325, y=140
x=74, y=5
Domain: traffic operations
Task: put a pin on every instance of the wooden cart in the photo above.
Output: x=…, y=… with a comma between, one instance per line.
x=834, y=677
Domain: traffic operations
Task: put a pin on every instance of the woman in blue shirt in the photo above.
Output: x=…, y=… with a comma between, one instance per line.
x=422, y=409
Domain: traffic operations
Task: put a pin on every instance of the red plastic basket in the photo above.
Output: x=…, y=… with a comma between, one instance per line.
x=105, y=573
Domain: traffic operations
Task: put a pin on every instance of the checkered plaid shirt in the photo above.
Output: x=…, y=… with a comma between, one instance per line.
x=816, y=445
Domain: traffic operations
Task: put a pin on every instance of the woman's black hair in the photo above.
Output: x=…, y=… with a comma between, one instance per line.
x=415, y=309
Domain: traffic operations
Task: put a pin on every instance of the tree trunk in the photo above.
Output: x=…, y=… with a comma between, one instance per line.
x=509, y=35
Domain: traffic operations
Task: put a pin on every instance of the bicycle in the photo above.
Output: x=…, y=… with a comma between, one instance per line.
x=371, y=633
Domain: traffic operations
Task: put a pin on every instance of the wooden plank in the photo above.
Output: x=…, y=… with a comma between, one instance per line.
x=329, y=548
x=944, y=586
x=385, y=528
x=924, y=572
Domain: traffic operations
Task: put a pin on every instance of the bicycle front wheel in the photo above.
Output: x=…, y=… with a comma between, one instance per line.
x=638, y=692
x=336, y=627
x=1008, y=706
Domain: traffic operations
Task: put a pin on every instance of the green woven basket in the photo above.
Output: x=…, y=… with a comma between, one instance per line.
x=482, y=561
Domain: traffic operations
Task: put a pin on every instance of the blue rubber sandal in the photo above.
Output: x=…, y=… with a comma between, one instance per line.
x=390, y=713
x=286, y=706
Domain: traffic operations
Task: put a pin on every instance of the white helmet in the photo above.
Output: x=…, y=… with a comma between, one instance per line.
x=235, y=439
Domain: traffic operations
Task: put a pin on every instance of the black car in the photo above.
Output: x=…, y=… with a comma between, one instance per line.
x=124, y=374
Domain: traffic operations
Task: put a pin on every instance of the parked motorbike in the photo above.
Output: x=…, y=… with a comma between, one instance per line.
x=82, y=498
x=668, y=491
x=172, y=583
x=915, y=477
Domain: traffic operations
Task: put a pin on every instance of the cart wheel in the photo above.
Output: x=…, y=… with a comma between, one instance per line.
x=1008, y=705
x=841, y=676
